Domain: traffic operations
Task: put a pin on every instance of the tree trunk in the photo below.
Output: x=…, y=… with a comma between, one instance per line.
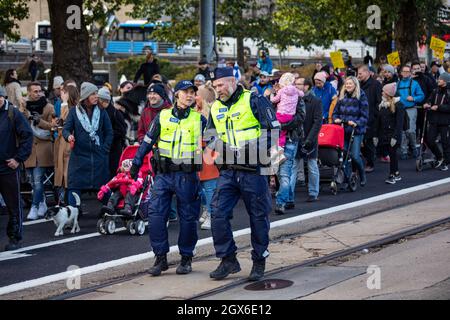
x=383, y=46
x=71, y=56
x=240, y=50
x=406, y=31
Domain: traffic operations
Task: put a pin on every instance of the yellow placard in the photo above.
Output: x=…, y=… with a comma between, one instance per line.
x=437, y=45
x=337, y=60
x=394, y=59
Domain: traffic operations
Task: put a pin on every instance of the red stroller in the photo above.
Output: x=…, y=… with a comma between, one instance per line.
x=135, y=224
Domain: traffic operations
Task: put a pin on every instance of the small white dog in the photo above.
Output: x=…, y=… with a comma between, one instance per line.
x=65, y=216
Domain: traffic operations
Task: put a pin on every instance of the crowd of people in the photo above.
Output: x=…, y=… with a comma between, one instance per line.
x=80, y=131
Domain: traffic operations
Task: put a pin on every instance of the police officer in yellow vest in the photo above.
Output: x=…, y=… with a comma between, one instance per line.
x=243, y=123
x=178, y=135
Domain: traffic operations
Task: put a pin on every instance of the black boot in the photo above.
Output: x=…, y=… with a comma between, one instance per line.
x=185, y=265
x=127, y=211
x=129, y=203
x=160, y=265
x=257, y=272
x=228, y=265
x=13, y=245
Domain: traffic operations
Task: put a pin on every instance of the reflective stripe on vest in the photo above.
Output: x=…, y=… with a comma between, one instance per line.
x=179, y=139
x=236, y=125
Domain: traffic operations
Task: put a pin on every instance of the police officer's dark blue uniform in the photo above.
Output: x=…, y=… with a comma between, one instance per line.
x=177, y=132
x=238, y=120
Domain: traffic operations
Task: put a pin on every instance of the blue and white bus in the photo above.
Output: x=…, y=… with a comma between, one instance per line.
x=135, y=37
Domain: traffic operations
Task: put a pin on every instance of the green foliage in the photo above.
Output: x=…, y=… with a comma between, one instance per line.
x=12, y=11
x=129, y=66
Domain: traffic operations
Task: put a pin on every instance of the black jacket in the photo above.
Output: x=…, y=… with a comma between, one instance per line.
x=373, y=90
x=389, y=125
x=294, y=127
x=441, y=98
x=426, y=84
x=148, y=69
x=8, y=147
x=313, y=118
x=118, y=124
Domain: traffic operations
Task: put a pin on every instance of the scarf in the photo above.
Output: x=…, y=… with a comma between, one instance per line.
x=385, y=104
x=37, y=106
x=88, y=126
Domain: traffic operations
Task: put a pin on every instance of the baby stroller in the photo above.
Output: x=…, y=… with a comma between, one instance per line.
x=425, y=157
x=135, y=223
x=332, y=157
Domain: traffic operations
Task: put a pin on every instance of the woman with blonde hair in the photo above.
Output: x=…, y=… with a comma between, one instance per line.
x=352, y=110
x=206, y=96
x=69, y=97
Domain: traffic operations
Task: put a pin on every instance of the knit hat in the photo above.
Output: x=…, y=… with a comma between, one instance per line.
x=445, y=76
x=104, y=94
x=389, y=68
x=158, y=89
x=200, y=77
x=2, y=92
x=207, y=93
x=321, y=76
x=390, y=89
x=87, y=89
x=57, y=82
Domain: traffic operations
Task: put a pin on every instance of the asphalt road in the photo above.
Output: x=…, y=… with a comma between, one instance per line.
x=97, y=249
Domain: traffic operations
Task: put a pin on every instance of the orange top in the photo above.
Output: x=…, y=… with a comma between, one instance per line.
x=209, y=170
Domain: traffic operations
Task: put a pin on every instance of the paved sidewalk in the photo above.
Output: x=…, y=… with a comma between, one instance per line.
x=282, y=253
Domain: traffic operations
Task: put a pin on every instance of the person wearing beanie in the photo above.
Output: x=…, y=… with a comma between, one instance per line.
x=438, y=113
x=199, y=80
x=388, y=129
x=325, y=91
x=177, y=132
x=389, y=74
x=157, y=100
x=41, y=115
x=88, y=128
x=119, y=128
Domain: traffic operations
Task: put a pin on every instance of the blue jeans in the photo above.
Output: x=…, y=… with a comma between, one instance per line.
x=313, y=178
x=356, y=157
x=36, y=178
x=286, y=172
x=208, y=189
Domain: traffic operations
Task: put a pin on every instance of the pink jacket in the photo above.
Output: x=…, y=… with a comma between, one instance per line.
x=287, y=99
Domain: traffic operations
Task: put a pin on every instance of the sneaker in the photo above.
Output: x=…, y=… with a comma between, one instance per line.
x=227, y=266
x=369, y=169
x=13, y=245
x=42, y=209
x=204, y=215
x=160, y=265
x=279, y=209
x=289, y=206
x=438, y=163
x=185, y=266
x=206, y=225
x=444, y=168
x=397, y=176
x=311, y=199
x=258, y=269
x=33, y=214
x=390, y=179
x=386, y=159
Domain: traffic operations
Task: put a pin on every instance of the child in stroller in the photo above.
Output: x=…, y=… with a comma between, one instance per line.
x=123, y=187
x=123, y=196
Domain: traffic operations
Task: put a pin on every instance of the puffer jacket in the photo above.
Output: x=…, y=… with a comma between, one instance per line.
x=353, y=109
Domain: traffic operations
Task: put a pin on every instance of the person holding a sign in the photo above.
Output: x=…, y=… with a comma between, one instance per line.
x=410, y=96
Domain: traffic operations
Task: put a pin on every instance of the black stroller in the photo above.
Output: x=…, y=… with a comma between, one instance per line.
x=332, y=158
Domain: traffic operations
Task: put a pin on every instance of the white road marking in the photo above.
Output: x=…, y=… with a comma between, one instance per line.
x=29, y=223
x=11, y=256
x=209, y=241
